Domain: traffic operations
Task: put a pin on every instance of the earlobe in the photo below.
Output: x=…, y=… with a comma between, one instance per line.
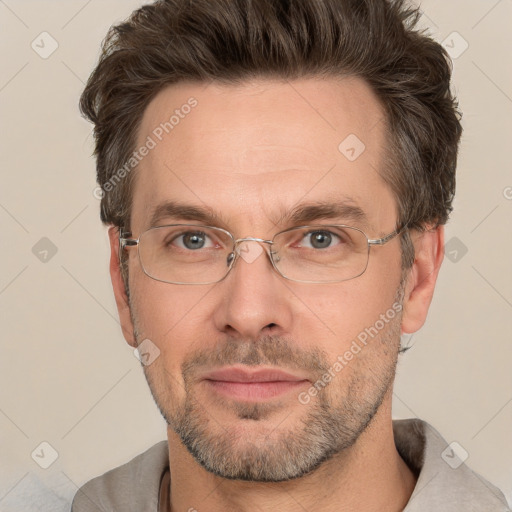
x=123, y=305
x=422, y=277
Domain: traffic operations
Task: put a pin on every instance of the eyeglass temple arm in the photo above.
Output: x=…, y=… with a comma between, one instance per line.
x=387, y=238
x=124, y=241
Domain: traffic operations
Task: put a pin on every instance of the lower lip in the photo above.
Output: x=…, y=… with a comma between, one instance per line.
x=254, y=391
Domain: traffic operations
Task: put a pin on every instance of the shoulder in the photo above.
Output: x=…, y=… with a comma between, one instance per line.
x=134, y=486
x=444, y=481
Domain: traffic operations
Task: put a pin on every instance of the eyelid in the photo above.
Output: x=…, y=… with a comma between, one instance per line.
x=318, y=230
x=308, y=228
x=184, y=230
x=297, y=238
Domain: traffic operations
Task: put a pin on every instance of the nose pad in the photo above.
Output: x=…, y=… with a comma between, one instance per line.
x=230, y=258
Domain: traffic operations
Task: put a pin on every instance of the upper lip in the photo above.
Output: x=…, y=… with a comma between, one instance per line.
x=252, y=375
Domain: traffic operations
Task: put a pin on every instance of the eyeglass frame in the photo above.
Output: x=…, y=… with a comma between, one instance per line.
x=125, y=243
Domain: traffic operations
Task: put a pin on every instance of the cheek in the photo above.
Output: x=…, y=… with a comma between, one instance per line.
x=343, y=311
x=170, y=316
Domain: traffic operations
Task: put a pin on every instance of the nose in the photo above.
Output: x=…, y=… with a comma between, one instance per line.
x=253, y=300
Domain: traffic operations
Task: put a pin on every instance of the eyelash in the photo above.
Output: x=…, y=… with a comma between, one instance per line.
x=202, y=233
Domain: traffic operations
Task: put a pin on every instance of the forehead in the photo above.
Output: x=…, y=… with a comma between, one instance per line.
x=250, y=152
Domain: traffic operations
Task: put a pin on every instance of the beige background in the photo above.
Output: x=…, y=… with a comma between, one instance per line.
x=67, y=376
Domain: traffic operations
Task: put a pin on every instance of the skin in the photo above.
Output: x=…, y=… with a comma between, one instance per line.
x=250, y=151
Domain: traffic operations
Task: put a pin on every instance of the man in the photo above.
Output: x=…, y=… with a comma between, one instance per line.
x=276, y=176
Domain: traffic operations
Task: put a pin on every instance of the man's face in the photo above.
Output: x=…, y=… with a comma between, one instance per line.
x=251, y=154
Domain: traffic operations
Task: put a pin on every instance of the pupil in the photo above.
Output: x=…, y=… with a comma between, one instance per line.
x=193, y=241
x=321, y=240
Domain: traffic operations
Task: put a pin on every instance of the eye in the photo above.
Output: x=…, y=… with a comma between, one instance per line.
x=192, y=240
x=320, y=239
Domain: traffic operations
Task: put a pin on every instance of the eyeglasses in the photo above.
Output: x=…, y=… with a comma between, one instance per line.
x=194, y=254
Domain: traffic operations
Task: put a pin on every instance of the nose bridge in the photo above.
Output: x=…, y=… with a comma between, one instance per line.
x=249, y=256
x=252, y=297
x=252, y=239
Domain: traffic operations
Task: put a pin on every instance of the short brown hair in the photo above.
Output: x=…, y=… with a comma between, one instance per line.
x=233, y=41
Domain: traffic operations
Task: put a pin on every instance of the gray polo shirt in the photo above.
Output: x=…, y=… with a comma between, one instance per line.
x=444, y=484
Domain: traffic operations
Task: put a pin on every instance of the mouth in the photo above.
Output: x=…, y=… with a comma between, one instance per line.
x=253, y=385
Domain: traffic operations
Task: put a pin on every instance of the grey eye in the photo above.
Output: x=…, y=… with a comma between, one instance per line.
x=194, y=240
x=319, y=239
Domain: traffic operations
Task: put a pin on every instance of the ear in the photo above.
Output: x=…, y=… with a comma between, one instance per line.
x=123, y=306
x=421, y=281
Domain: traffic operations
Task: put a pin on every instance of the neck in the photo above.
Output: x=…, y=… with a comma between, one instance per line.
x=368, y=477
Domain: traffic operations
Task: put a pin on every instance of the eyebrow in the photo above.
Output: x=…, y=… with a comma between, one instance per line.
x=345, y=210
x=181, y=211
x=342, y=210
